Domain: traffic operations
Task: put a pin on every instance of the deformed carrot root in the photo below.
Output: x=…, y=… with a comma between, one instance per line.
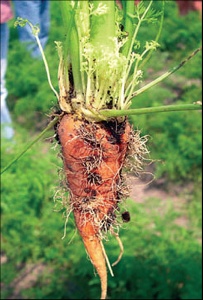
x=93, y=157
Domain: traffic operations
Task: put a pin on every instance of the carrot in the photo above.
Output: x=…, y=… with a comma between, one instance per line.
x=99, y=75
x=93, y=156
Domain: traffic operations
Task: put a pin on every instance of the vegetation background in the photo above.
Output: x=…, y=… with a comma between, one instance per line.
x=162, y=260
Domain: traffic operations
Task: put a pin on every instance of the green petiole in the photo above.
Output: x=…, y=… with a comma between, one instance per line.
x=165, y=75
x=49, y=126
x=148, y=110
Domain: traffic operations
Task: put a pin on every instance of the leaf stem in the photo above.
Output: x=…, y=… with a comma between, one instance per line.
x=165, y=75
x=49, y=126
x=35, y=31
x=102, y=27
x=46, y=67
x=129, y=7
x=157, y=36
x=137, y=30
x=146, y=110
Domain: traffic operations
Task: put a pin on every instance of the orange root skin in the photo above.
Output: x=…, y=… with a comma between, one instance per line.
x=94, y=250
x=93, y=156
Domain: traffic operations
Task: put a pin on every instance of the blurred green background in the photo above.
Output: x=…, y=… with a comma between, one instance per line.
x=162, y=260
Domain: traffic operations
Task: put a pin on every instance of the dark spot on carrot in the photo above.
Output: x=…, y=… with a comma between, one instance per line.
x=94, y=178
x=87, y=190
x=108, y=220
x=112, y=140
x=115, y=129
x=93, y=193
x=96, y=210
x=86, y=200
x=68, y=166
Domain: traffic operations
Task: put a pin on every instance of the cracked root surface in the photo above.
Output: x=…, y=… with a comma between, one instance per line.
x=93, y=157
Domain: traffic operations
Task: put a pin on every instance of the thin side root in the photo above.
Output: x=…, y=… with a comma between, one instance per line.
x=107, y=260
x=121, y=248
x=66, y=222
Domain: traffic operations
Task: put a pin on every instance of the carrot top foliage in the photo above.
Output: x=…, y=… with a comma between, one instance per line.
x=101, y=59
x=103, y=53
